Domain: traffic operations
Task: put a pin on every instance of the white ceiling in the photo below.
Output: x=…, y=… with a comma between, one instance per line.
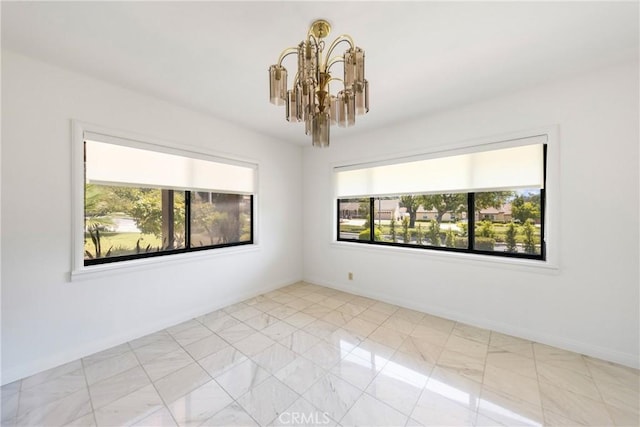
x=421, y=57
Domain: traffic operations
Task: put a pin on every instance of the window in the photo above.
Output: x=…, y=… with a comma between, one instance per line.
x=490, y=201
x=143, y=201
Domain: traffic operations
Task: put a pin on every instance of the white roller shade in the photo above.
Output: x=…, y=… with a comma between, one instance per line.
x=113, y=164
x=500, y=169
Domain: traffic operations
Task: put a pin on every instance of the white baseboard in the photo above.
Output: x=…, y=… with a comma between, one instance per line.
x=51, y=361
x=626, y=359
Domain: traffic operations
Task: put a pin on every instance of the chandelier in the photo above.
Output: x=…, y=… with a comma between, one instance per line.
x=310, y=100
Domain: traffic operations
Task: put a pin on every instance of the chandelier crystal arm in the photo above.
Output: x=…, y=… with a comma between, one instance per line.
x=343, y=38
x=288, y=51
x=311, y=37
x=332, y=61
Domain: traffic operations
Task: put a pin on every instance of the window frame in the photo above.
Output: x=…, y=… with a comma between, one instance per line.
x=80, y=269
x=550, y=212
x=188, y=247
x=471, y=223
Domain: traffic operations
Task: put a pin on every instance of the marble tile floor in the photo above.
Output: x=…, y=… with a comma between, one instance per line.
x=310, y=355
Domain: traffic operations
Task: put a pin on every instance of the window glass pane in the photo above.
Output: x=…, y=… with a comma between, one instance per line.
x=122, y=221
x=353, y=217
x=508, y=221
x=179, y=219
x=441, y=220
x=219, y=219
x=386, y=212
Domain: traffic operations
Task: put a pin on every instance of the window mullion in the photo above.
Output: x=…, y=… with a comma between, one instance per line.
x=543, y=203
x=168, y=218
x=372, y=213
x=187, y=219
x=471, y=220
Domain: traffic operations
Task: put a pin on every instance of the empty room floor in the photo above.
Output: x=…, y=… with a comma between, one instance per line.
x=310, y=355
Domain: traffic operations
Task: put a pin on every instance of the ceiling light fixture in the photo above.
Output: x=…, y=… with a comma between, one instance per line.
x=310, y=100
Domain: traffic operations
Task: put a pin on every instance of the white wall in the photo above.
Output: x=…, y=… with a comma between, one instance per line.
x=591, y=303
x=48, y=320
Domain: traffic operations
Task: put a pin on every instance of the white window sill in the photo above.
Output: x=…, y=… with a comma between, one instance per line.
x=142, y=264
x=521, y=264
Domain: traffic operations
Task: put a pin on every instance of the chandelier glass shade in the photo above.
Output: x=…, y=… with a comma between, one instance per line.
x=310, y=100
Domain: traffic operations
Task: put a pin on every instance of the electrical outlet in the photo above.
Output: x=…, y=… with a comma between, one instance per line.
x=350, y=276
